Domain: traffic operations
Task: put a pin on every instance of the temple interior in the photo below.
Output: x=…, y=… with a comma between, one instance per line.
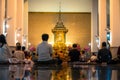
x=86, y=23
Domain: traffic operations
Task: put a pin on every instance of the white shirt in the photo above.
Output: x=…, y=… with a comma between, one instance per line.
x=5, y=53
x=44, y=50
x=19, y=55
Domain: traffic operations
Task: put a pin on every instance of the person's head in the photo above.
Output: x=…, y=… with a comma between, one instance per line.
x=61, y=51
x=83, y=52
x=93, y=54
x=18, y=47
x=23, y=48
x=74, y=45
x=45, y=37
x=2, y=40
x=18, y=44
x=13, y=51
x=104, y=44
x=34, y=54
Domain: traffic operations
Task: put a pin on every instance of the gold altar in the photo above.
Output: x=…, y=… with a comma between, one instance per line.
x=59, y=32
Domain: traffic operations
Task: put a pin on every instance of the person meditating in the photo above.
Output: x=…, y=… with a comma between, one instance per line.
x=5, y=52
x=104, y=54
x=44, y=51
x=74, y=54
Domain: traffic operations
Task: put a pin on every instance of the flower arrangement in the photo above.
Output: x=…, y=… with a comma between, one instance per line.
x=87, y=49
x=32, y=48
x=78, y=47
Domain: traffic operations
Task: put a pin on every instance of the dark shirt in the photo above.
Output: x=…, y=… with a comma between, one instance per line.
x=27, y=54
x=74, y=55
x=104, y=55
x=118, y=52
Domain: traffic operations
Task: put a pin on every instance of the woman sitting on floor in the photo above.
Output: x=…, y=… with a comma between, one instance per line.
x=5, y=52
x=19, y=54
x=93, y=58
x=19, y=57
x=83, y=56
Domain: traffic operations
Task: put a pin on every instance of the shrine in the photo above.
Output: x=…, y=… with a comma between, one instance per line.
x=59, y=32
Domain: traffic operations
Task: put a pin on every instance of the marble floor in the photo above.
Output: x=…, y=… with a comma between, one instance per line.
x=63, y=72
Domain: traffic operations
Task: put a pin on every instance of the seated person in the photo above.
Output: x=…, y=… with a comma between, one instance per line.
x=116, y=59
x=34, y=57
x=74, y=54
x=27, y=54
x=83, y=56
x=44, y=51
x=5, y=52
x=104, y=54
x=61, y=55
x=118, y=53
x=19, y=54
x=93, y=58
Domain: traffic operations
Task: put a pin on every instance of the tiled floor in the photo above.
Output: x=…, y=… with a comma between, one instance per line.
x=64, y=72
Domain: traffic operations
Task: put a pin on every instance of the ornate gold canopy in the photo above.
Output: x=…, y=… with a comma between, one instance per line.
x=59, y=32
x=59, y=36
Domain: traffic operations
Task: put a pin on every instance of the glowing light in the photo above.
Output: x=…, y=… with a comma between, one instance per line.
x=16, y=41
x=18, y=34
x=97, y=40
x=89, y=44
x=52, y=43
x=108, y=35
x=7, y=26
x=24, y=40
x=5, y=33
x=68, y=43
x=29, y=44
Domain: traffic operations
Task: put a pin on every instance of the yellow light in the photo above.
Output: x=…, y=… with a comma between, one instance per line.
x=7, y=26
x=52, y=43
x=29, y=44
x=18, y=34
x=68, y=43
x=89, y=44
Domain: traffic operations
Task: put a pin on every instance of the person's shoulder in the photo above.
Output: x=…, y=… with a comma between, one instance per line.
x=19, y=51
x=77, y=50
x=15, y=52
x=38, y=44
x=5, y=46
x=72, y=50
x=106, y=49
x=50, y=45
x=103, y=49
x=100, y=50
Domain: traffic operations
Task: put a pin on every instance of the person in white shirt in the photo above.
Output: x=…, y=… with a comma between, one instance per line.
x=93, y=57
x=5, y=52
x=44, y=51
x=19, y=54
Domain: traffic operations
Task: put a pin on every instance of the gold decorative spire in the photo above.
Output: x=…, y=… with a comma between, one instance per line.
x=60, y=19
x=59, y=32
x=59, y=23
